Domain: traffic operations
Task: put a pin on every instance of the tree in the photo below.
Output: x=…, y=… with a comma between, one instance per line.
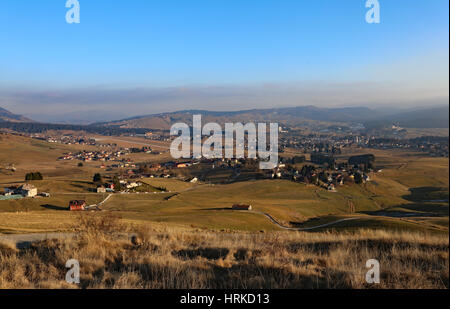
x=116, y=182
x=97, y=178
x=34, y=176
x=323, y=176
x=358, y=178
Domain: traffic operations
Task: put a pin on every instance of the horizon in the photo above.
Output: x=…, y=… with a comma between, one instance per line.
x=382, y=112
x=153, y=57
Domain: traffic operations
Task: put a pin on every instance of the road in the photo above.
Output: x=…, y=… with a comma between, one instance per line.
x=96, y=206
x=305, y=228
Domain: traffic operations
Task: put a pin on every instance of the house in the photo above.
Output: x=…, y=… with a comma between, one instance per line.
x=242, y=207
x=28, y=190
x=331, y=187
x=133, y=185
x=155, y=167
x=77, y=205
x=101, y=189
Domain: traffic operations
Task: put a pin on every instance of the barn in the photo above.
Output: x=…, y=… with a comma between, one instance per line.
x=77, y=205
x=242, y=207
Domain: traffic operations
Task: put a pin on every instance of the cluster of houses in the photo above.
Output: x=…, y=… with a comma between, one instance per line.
x=327, y=173
x=318, y=143
x=65, y=139
x=125, y=186
x=95, y=155
x=434, y=146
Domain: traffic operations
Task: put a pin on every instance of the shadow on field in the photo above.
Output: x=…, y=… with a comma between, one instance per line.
x=208, y=253
x=250, y=276
x=427, y=194
x=85, y=185
x=53, y=207
x=304, y=223
x=379, y=245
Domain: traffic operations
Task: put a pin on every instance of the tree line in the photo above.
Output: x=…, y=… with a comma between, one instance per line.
x=35, y=127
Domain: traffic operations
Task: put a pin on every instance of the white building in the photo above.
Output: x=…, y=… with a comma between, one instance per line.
x=28, y=190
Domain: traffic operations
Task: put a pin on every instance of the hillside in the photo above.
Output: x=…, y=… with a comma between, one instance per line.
x=6, y=115
x=436, y=117
x=292, y=115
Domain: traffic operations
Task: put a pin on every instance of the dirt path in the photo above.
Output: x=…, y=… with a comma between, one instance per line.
x=305, y=228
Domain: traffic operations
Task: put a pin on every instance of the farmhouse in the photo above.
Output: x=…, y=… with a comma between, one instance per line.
x=77, y=205
x=242, y=207
x=26, y=190
x=101, y=189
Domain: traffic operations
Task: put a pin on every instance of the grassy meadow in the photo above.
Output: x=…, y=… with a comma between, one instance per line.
x=158, y=256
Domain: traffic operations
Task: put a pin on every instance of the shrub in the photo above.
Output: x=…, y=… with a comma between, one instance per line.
x=34, y=176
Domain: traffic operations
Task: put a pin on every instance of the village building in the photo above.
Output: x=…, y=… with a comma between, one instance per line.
x=331, y=187
x=242, y=207
x=101, y=189
x=79, y=205
x=26, y=190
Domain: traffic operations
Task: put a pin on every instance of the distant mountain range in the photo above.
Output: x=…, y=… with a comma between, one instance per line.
x=290, y=115
x=437, y=117
x=6, y=115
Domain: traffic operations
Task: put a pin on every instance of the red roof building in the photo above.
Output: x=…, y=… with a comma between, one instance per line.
x=77, y=205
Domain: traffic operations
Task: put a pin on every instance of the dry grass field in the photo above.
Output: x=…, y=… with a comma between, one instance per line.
x=158, y=256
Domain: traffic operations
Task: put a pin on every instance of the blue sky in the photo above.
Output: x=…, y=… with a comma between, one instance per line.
x=214, y=49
